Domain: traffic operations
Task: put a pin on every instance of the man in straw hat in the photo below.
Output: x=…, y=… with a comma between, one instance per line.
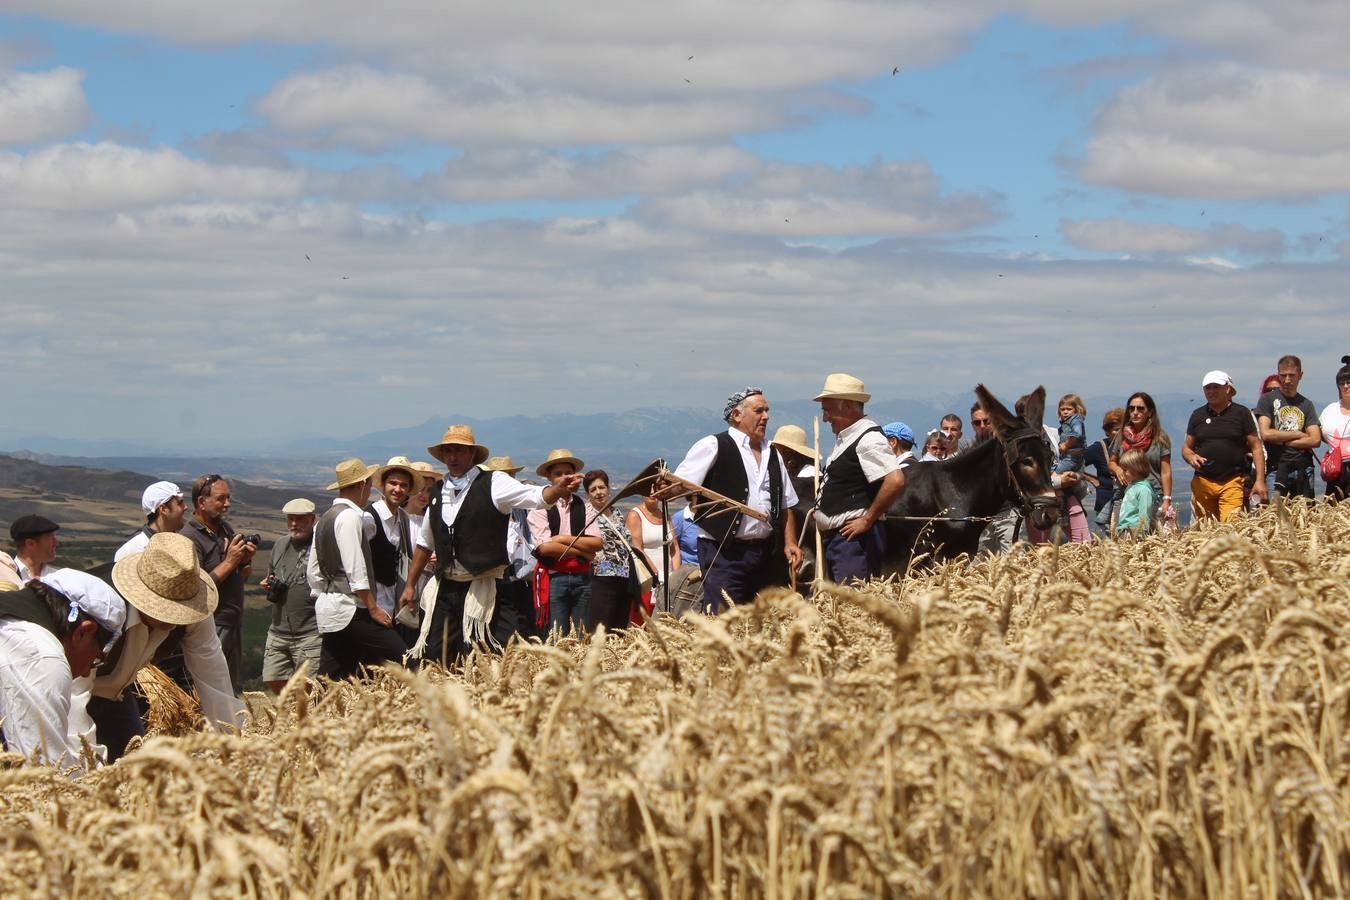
x=391, y=541
x=739, y=554
x=861, y=480
x=466, y=526
x=801, y=460
x=353, y=628
x=164, y=509
x=566, y=538
x=48, y=636
x=293, y=636
x=170, y=601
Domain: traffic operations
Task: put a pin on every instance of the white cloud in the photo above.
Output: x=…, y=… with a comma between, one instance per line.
x=39, y=106
x=1226, y=131
x=84, y=176
x=605, y=47
x=1115, y=235
x=1298, y=33
x=369, y=108
x=786, y=199
x=539, y=174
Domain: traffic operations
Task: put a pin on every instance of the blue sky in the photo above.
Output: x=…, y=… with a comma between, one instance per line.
x=530, y=209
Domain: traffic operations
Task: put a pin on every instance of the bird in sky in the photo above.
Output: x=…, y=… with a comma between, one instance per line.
x=690, y=58
x=306, y=257
x=687, y=81
x=346, y=278
x=894, y=72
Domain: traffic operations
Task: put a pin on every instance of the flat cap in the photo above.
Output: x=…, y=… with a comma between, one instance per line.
x=31, y=526
x=298, y=507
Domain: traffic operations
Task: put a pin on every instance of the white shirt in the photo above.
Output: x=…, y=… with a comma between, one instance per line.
x=35, y=691
x=906, y=459
x=386, y=595
x=874, y=456
x=26, y=574
x=135, y=544
x=507, y=494
x=333, y=611
x=696, y=463
x=1336, y=424
x=202, y=655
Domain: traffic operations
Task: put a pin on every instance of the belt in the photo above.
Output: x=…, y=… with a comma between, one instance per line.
x=752, y=541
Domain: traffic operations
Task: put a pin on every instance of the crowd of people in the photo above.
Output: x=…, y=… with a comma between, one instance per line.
x=413, y=564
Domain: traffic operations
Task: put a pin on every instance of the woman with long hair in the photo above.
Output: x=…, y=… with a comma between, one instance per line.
x=1143, y=431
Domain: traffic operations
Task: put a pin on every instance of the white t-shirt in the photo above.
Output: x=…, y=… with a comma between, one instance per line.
x=1336, y=424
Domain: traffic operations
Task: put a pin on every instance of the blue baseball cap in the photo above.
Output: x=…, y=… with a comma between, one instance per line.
x=900, y=431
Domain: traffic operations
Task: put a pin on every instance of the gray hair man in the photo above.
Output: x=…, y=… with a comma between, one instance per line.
x=739, y=554
x=293, y=636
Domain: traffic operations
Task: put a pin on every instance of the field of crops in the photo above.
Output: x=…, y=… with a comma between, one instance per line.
x=1156, y=718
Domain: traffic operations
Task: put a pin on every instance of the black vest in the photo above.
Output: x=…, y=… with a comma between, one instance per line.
x=27, y=606
x=846, y=487
x=478, y=538
x=384, y=555
x=727, y=476
x=328, y=555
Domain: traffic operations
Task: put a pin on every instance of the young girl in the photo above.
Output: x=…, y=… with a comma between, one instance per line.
x=1072, y=436
x=1136, y=509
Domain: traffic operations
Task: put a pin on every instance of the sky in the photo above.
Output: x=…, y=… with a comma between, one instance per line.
x=329, y=218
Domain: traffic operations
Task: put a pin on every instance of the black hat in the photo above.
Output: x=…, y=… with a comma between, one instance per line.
x=31, y=526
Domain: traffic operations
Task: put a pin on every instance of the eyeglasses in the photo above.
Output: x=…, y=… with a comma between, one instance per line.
x=1137, y=408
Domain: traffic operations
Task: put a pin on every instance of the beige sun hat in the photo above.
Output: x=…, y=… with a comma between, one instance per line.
x=501, y=464
x=400, y=462
x=561, y=455
x=840, y=386
x=793, y=437
x=300, y=506
x=463, y=436
x=427, y=472
x=349, y=472
x=164, y=581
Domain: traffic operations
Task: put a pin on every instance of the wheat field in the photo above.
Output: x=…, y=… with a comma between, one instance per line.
x=1164, y=717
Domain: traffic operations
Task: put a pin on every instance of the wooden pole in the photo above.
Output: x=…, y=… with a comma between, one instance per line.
x=815, y=486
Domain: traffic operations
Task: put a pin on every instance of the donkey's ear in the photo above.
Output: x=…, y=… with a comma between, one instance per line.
x=1033, y=407
x=999, y=416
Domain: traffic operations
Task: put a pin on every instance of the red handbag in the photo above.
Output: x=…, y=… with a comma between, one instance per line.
x=1331, y=463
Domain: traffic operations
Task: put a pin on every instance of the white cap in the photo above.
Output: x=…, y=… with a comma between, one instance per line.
x=92, y=595
x=298, y=507
x=1216, y=376
x=157, y=494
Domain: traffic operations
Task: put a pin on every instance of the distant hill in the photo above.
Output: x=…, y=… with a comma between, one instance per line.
x=95, y=504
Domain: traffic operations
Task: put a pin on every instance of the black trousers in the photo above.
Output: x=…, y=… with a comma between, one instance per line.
x=361, y=643
x=611, y=603
x=445, y=641
x=232, y=643
x=116, y=722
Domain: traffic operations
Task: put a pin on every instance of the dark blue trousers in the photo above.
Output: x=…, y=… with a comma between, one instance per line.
x=741, y=568
x=856, y=560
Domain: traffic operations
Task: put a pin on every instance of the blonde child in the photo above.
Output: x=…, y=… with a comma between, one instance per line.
x=1067, y=475
x=1136, y=508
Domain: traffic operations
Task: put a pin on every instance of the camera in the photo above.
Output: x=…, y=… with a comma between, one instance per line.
x=277, y=590
x=254, y=539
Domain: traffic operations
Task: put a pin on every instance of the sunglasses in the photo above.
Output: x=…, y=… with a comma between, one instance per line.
x=1137, y=408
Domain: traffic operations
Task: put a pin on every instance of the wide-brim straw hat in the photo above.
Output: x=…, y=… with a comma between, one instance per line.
x=400, y=462
x=349, y=472
x=840, y=386
x=460, y=435
x=427, y=472
x=793, y=437
x=561, y=455
x=501, y=464
x=164, y=582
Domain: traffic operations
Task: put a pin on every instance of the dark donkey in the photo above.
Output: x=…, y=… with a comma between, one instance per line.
x=945, y=505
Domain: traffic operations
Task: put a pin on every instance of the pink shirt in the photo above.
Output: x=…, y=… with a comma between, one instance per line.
x=538, y=521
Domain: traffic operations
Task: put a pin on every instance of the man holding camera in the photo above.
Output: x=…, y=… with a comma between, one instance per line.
x=293, y=636
x=228, y=557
